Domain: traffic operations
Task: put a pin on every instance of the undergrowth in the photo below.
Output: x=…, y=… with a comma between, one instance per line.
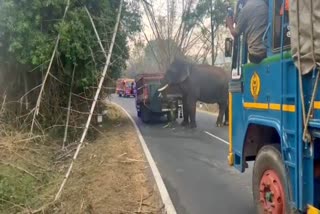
x=32, y=166
x=28, y=172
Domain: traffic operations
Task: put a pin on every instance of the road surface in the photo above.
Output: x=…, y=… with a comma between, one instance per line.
x=193, y=165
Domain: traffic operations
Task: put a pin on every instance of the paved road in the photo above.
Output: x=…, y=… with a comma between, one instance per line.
x=194, y=166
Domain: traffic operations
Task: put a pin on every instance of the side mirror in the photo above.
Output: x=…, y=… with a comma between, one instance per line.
x=228, y=47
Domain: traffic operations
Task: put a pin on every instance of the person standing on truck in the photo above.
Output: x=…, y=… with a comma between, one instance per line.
x=132, y=88
x=252, y=21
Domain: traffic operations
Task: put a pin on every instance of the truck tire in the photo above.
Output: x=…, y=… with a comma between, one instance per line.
x=145, y=114
x=268, y=182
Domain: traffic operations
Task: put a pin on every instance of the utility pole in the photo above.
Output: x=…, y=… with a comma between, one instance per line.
x=212, y=32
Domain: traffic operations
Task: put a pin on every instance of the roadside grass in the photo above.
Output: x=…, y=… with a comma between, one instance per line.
x=27, y=172
x=109, y=176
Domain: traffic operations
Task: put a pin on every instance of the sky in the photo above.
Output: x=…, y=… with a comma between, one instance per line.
x=160, y=8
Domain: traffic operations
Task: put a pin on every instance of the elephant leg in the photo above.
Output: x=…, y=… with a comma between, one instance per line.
x=192, y=103
x=185, y=121
x=222, y=110
x=226, y=116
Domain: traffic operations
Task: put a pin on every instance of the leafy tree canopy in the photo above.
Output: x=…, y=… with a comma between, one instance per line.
x=29, y=29
x=203, y=11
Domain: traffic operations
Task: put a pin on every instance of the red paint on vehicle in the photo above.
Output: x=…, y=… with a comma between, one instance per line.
x=272, y=195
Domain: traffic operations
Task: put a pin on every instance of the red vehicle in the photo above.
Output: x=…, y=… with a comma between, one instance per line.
x=125, y=87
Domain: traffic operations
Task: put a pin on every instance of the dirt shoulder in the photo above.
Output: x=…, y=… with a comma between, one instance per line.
x=109, y=176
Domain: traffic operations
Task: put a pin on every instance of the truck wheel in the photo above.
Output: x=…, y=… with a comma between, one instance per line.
x=268, y=182
x=145, y=114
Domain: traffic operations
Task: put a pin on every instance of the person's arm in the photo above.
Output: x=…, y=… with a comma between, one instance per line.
x=229, y=23
x=240, y=26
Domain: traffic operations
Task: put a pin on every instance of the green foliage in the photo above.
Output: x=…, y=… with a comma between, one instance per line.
x=29, y=29
x=15, y=187
x=202, y=11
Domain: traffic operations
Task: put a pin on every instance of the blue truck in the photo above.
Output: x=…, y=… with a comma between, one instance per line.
x=274, y=110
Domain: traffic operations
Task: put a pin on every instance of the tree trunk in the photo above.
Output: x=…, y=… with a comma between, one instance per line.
x=212, y=33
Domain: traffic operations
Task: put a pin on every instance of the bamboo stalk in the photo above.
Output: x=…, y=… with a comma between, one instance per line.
x=95, y=98
x=25, y=82
x=69, y=110
x=96, y=32
x=37, y=108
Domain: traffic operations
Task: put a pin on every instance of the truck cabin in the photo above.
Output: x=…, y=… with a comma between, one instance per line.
x=276, y=102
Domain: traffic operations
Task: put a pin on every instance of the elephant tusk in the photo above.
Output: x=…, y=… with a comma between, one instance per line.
x=163, y=88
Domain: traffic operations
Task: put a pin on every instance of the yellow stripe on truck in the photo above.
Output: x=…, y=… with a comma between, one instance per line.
x=312, y=210
x=316, y=105
x=274, y=106
x=288, y=108
x=262, y=106
x=230, y=156
x=269, y=106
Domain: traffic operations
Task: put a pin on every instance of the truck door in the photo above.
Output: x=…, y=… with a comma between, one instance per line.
x=236, y=118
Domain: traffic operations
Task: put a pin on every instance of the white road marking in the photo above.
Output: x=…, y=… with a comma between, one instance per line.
x=161, y=186
x=216, y=137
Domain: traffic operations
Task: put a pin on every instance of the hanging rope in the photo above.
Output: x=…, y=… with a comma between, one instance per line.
x=306, y=136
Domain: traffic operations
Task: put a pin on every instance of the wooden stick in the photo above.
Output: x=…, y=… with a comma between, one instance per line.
x=37, y=108
x=132, y=160
x=69, y=108
x=96, y=32
x=30, y=161
x=10, y=202
x=28, y=92
x=30, y=138
x=96, y=96
x=41, y=209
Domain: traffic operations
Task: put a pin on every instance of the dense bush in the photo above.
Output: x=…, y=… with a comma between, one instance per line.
x=28, y=32
x=29, y=29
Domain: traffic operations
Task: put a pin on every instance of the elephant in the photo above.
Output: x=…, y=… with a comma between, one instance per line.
x=198, y=82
